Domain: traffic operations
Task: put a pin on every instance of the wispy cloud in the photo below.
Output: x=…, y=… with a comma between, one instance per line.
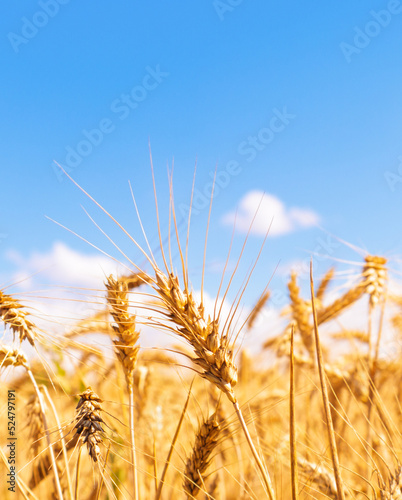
x=267, y=209
x=62, y=265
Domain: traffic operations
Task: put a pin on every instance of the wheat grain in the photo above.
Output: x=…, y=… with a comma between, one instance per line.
x=375, y=274
x=301, y=313
x=323, y=286
x=88, y=422
x=205, y=442
x=13, y=315
x=213, y=351
x=125, y=327
x=320, y=476
x=261, y=302
x=393, y=491
x=12, y=357
x=347, y=299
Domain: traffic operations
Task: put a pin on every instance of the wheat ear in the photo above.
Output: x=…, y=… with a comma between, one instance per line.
x=127, y=352
x=323, y=286
x=257, y=308
x=375, y=274
x=88, y=422
x=12, y=357
x=213, y=351
x=334, y=309
x=393, y=490
x=13, y=315
x=205, y=442
x=301, y=314
x=320, y=476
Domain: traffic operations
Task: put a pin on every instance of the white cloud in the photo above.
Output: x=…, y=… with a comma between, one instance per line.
x=62, y=265
x=267, y=209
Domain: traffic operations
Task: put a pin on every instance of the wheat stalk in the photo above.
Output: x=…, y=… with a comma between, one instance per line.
x=325, y=398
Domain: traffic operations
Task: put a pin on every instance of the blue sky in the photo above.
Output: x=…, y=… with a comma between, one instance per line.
x=297, y=105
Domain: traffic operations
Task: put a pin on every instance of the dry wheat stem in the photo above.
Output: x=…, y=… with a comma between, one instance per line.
x=172, y=444
x=132, y=447
x=62, y=440
x=103, y=474
x=324, y=392
x=77, y=473
x=292, y=418
x=257, y=458
x=29, y=495
x=50, y=444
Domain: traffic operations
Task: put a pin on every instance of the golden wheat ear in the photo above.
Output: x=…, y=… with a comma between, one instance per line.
x=88, y=422
x=16, y=318
x=127, y=353
x=255, y=312
x=212, y=348
x=197, y=464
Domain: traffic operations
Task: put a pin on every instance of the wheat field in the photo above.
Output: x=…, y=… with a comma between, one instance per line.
x=98, y=417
